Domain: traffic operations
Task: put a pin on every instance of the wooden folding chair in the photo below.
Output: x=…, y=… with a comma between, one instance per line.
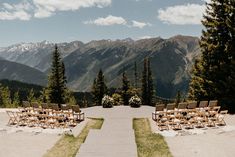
x=203, y=104
x=170, y=110
x=213, y=103
x=182, y=106
x=201, y=119
x=36, y=107
x=12, y=118
x=175, y=124
x=78, y=113
x=22, y=118
x=159, y=111
x=192, y=106
x=163, y=123
x=220, y=118
x=26, y=106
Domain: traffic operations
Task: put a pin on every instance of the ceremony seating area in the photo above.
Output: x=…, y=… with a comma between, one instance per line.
x=189, y=115
x=46, y=115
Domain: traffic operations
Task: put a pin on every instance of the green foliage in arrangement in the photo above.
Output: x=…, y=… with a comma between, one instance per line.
x=213, y=73
x=117, y=99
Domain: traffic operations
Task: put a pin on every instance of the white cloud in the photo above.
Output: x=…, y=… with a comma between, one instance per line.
x=46, y=8
x=144, y=37
x=139, y=24
x=107, y=21
x=208, y=1
x=182, y=14
x=15, y=11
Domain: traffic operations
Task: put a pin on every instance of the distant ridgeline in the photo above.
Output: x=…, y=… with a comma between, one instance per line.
x=25, y=88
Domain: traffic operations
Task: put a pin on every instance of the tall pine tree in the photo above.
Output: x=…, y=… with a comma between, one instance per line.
x=136, y=76
x=144, y=88
x=56, y=79
x=150, y=84
x=99, y=88
x=213, y=72
x=147, y=84
x=125, y=89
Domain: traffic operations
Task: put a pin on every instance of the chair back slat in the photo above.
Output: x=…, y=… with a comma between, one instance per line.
x=65, y=107
x=192, y=105
x=203, y=104
x=26, y=104
x=160, y=107
x=182, y=105
x=213, y=103
x=45, y=106
x=54, y=107
x=35, y=105
x=76, y=108
x=170, y=106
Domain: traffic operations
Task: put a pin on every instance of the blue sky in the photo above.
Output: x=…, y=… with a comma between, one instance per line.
x=86, y=20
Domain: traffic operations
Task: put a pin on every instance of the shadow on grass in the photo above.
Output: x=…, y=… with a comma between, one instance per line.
x=149, y=144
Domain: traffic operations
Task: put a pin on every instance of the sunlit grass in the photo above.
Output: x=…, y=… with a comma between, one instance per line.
x=149, y=144
x=68, y=145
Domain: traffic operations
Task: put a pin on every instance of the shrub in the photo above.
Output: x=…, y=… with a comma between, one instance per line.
x=135, y=101
x=107, y=101
x=117, y=99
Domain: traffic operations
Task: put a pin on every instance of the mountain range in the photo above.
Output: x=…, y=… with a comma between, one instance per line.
x=171, y=61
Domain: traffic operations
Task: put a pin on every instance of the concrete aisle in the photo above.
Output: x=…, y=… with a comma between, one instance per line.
x=116, y=137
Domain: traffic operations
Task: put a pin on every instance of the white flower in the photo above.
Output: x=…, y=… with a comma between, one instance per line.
x=107, y=101
x=135, y=101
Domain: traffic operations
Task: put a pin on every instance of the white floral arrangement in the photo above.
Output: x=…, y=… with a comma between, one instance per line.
x=135, y=101
x=107, y=101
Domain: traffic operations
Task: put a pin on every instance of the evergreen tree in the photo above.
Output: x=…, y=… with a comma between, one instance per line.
x=31, y=96
x=125, y=89
x=94, y=92
x=57, y=80
x=136, y=76
x=213, y=73
x=85, y=102
x=196, y=89
x=16, y=100
x=6, y=97
x=178, y=97
x=147, y=84
x=144, y=88
x=44, y=96
x=99, y=88
x=230, y=80
x=1, y=98
x=150, y=89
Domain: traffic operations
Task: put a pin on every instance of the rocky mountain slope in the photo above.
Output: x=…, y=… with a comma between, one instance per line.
x=15, y=71
x=36, y=55
x=171, y=60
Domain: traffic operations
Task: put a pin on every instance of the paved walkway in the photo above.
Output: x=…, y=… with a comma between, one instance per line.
x=116, y=137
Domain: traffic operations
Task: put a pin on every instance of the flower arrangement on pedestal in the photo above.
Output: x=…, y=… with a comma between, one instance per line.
x=107, y=102
x=135, y=101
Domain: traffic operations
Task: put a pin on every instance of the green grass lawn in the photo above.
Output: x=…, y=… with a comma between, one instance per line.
x=68, y=145
x=149, y=144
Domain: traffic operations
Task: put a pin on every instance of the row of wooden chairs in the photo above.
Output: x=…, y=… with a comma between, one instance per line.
x=46, y=115
x=189, y=115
